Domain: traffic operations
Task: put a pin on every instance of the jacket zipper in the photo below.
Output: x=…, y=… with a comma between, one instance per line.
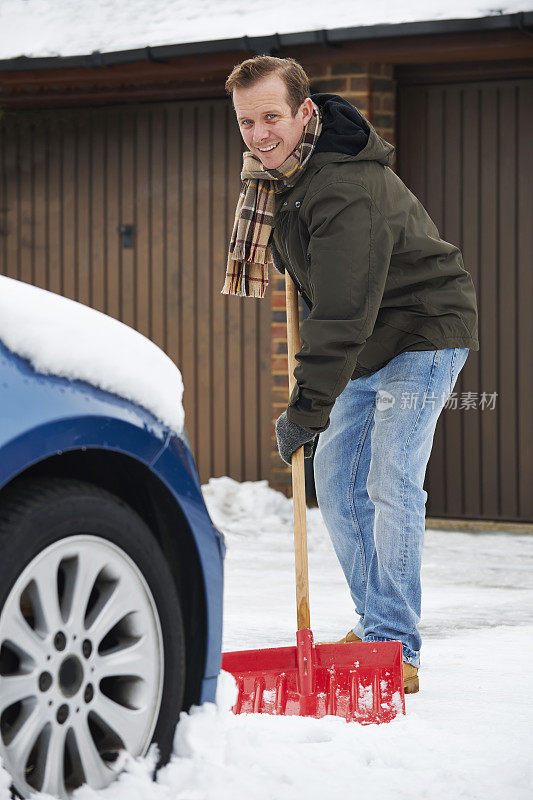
x=309, y=273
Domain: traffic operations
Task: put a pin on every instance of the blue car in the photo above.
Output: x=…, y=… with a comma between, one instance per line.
x=110, y=581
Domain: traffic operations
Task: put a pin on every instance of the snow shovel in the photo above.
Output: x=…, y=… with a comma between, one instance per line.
x=362, y=682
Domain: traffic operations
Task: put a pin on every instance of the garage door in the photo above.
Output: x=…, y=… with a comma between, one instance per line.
x=128, y=209
x=464, y=148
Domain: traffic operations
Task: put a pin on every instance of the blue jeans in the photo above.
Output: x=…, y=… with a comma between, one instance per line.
x=369, y=470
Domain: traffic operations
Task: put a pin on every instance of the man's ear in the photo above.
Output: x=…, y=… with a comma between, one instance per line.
x=307, y=110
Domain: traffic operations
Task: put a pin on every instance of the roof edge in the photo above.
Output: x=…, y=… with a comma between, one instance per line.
x=522, y=20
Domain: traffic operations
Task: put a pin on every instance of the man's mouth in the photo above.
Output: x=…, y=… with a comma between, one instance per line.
x=267, y=149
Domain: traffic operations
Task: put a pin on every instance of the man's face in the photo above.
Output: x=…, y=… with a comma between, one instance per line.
x=265, y=120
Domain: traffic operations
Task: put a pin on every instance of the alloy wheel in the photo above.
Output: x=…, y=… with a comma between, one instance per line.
x=81, y=667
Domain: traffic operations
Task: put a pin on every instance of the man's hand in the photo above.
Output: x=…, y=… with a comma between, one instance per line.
x=291, y=436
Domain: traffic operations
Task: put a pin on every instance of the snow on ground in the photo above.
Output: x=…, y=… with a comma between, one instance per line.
x=62, y=337
x=467, y=734
x=75, y=27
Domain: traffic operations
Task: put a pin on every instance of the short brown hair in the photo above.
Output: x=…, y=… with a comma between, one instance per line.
x=253, y=69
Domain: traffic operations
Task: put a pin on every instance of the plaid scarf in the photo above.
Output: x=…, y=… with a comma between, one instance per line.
x=249, y=252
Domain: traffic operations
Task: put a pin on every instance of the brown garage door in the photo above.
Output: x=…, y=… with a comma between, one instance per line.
x=464, y=148
x=71, y=178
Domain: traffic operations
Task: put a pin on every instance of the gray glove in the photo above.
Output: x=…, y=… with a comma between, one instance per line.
x=291, y=436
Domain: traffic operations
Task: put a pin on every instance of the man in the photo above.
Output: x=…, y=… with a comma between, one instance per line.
x=392, y=318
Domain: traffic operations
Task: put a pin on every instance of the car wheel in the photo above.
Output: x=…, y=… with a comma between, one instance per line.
x=92, y=658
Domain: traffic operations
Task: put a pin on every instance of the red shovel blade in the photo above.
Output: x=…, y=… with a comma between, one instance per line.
x=360, y=682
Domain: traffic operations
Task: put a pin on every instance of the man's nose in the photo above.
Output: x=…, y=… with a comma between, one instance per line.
x=260, y=133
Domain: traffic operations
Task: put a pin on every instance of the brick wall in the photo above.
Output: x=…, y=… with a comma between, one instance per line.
x=371, y=88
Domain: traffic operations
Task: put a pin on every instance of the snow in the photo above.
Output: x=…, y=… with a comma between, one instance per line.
x=76, y=27
x=61, y=337
x=5, y=783
x=467, y=733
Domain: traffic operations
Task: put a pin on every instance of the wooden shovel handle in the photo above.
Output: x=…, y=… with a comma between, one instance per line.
x=298, y=471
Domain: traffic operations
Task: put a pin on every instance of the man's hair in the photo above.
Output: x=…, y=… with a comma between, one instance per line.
x=254, y=69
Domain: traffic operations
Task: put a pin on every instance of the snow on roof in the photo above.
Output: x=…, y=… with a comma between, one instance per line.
x=61, y=337
x=78, y=27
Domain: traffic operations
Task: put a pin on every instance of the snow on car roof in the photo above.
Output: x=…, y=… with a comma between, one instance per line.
x=65, y=338
x=63, y=27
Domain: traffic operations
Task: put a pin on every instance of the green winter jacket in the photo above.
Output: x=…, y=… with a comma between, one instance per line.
x=373, y=270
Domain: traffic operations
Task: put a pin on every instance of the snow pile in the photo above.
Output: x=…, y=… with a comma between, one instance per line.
x=61, y=337
x=255, y=511
x=68, y=27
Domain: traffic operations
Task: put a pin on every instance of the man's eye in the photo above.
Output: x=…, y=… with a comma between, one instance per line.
x=272, y=115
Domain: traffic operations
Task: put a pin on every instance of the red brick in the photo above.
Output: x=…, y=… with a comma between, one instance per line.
x=359, y=101
x=384, y=101
x=376, y=68
x=381, y=85
x=317, y=71
x=349, y=68
x=279, y=345
x=278, y=331
x=329, y=85
x=281, y=399
x=359, y=84
x=278, y=300
x=383, y=119
x=278, y=364
x=279, y=383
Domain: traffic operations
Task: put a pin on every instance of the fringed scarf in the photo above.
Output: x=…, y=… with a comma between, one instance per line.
x=249, y=252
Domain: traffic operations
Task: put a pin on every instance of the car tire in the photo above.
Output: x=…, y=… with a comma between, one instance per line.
x=75, y=559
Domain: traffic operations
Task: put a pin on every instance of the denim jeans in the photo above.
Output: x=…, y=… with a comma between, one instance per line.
x=369, y=470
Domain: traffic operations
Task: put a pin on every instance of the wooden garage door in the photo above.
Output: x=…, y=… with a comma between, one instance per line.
x=71, y=178
x=465, y=149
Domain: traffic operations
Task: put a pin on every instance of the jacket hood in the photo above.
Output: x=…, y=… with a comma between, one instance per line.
x=346, y=131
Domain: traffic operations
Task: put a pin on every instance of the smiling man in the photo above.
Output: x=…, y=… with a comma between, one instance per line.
x=392, y=318
x=266, y=120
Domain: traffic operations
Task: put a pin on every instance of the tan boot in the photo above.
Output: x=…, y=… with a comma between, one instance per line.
x=410, y=678
x=350, y=638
